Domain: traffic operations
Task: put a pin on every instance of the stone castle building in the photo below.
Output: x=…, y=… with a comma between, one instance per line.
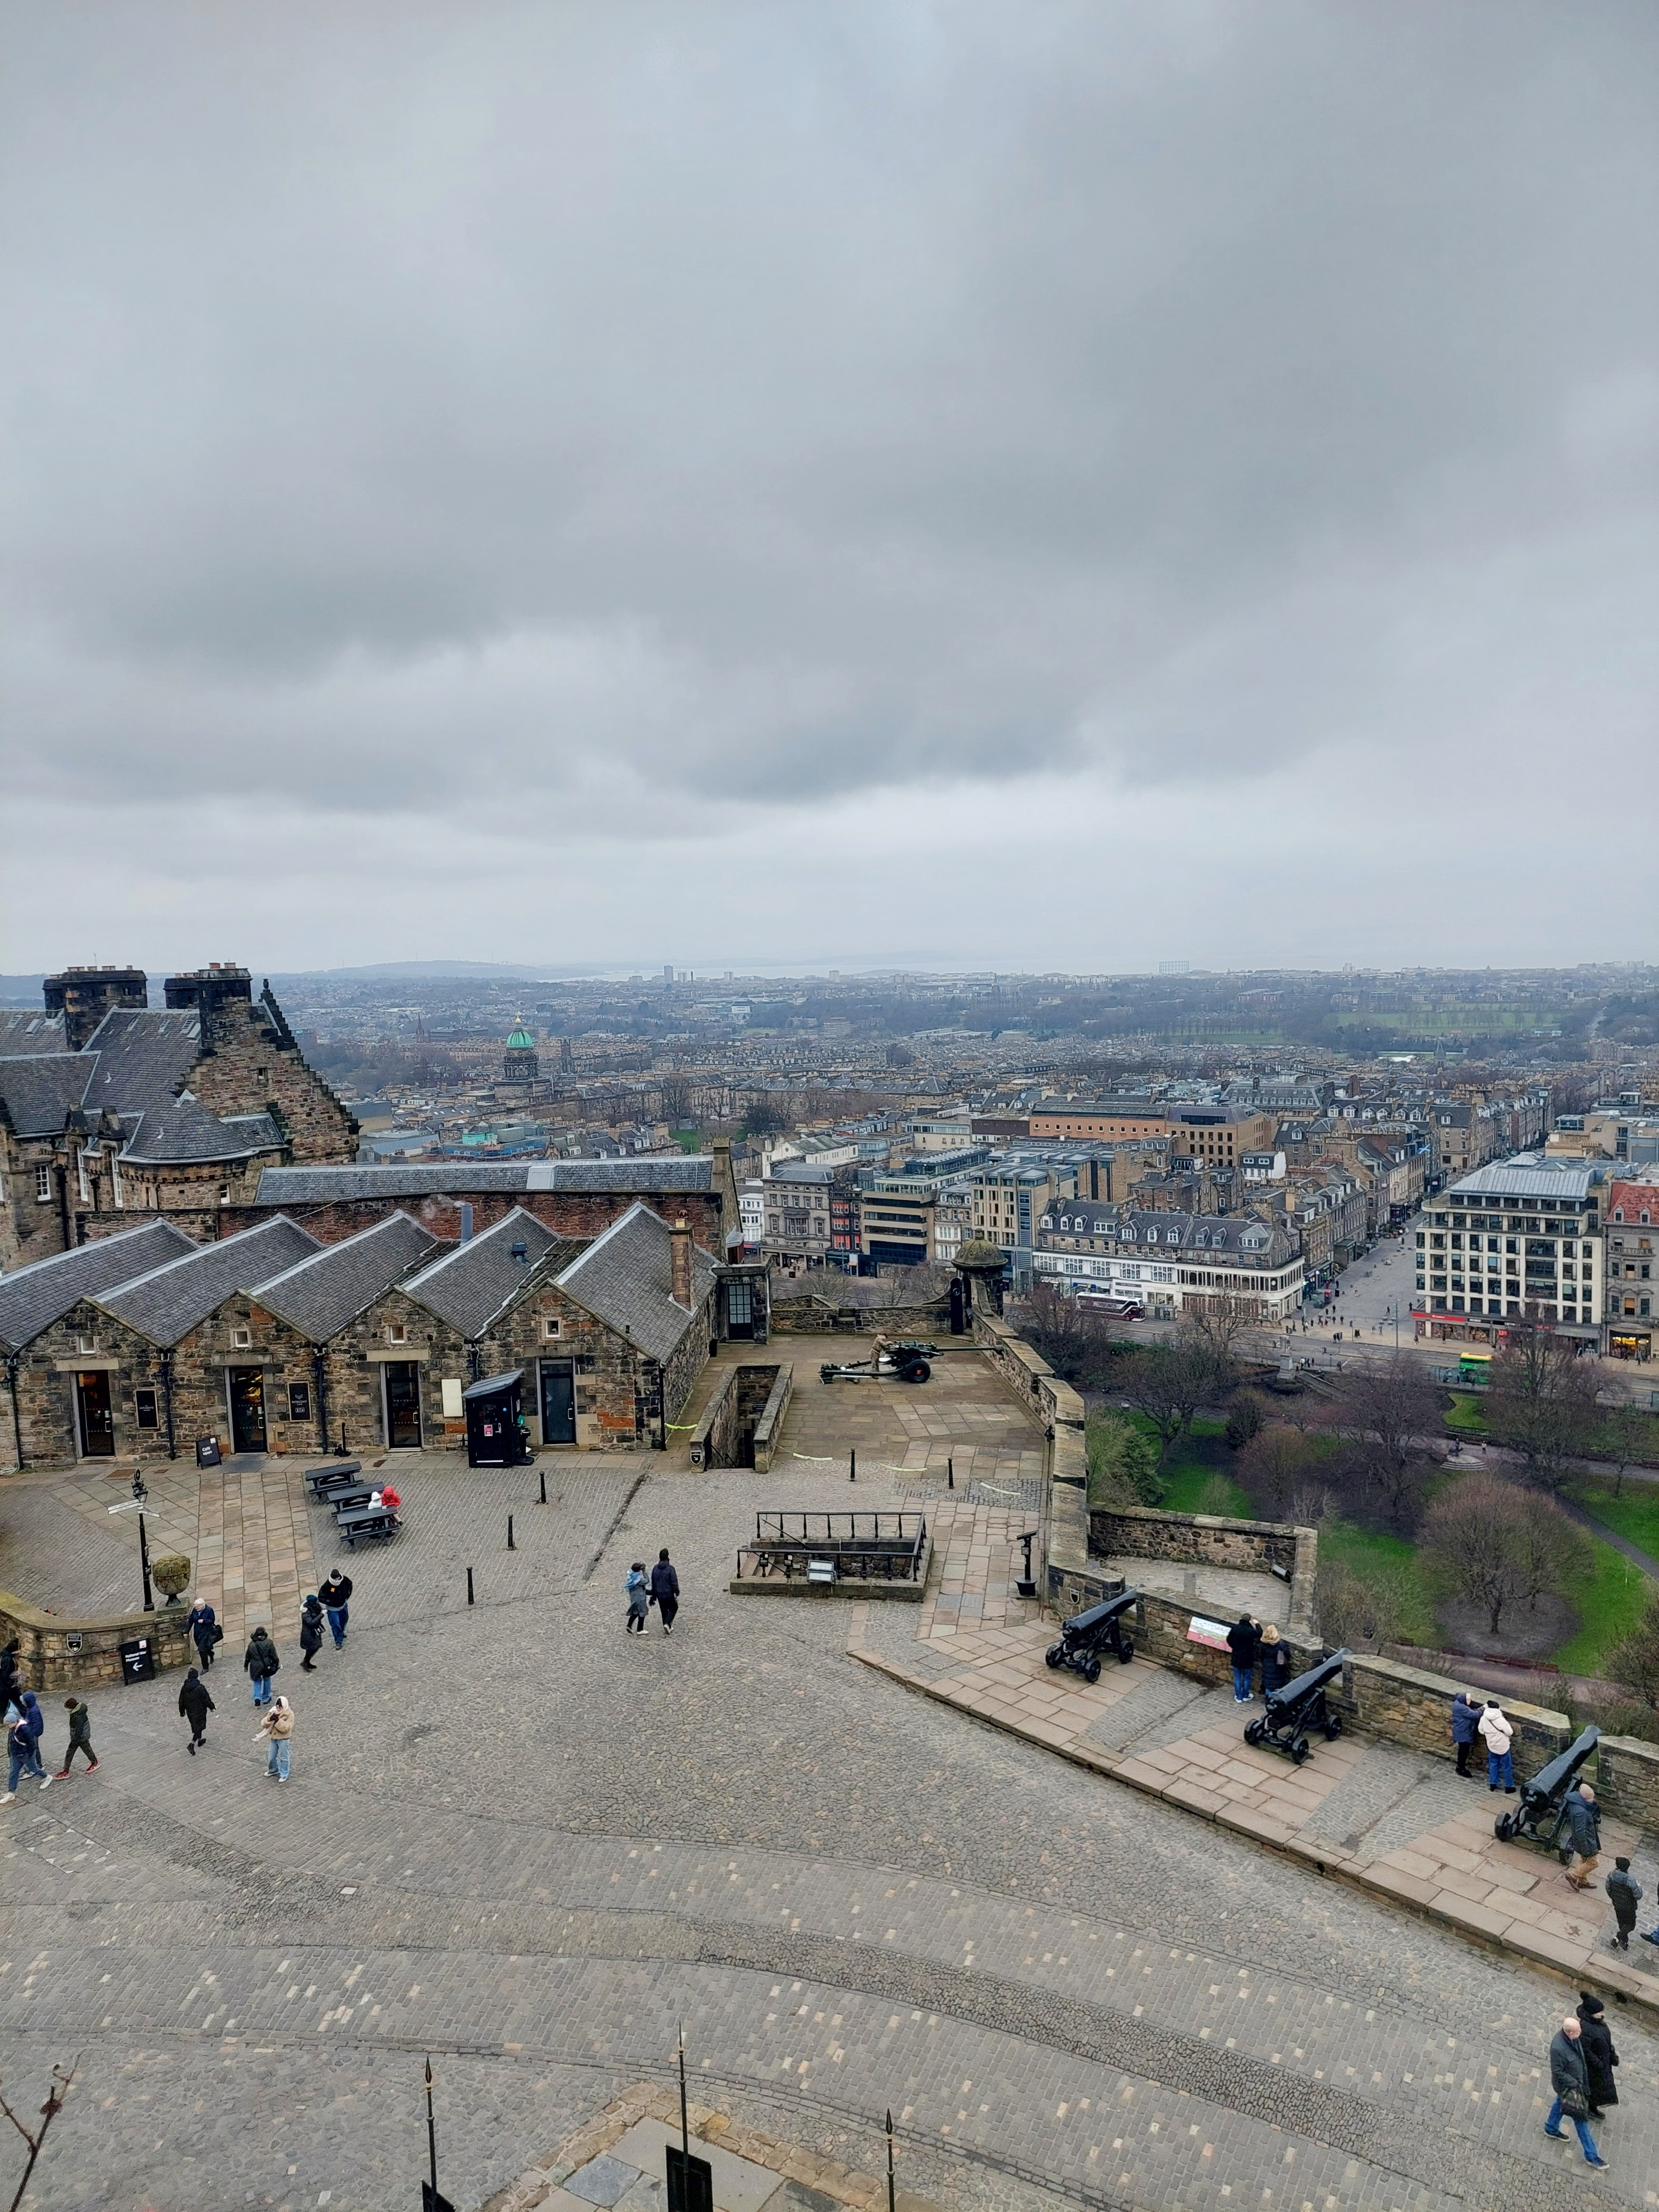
x=112, y=1109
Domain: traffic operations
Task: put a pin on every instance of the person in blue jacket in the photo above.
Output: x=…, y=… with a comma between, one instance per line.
x=1466, y=1722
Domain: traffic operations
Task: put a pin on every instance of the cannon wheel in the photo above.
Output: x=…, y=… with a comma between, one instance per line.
x=1054, y=1654
x=1254, y=1730
x=1503, y=1827
x=1333, y=1727
x=918, y=1371
x=1125, y=1651
x=1091, y=1669
x=1299, y=1750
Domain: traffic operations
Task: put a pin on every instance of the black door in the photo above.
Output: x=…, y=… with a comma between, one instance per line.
x=558, y=1402
x=248, y=1409
x=739, y=1309
x=92, y=1404
x=402, y=1404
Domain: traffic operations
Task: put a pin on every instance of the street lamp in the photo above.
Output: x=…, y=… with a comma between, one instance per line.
x=140, y=1494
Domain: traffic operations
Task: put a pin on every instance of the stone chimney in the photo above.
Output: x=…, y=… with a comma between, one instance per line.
x=680, y=1264
x=84, y=995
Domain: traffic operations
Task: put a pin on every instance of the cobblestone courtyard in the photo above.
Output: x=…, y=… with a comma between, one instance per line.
x=533, y=1846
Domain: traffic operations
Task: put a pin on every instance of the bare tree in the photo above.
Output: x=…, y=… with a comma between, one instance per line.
x=1169, y=1383
x=1218, y=1322
x=49, y=2111
x=1472, y=1535
x=1627, y=1438
x=1550, y=1547
x=1360, y=1611
x=1541, y=1403
x=1634, y=1660
x=1385, y=1411
x=1280, y=1461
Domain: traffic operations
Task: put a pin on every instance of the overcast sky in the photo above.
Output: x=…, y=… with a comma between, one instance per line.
x=1029, y=486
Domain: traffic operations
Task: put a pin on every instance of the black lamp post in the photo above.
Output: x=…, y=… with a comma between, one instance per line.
x=141, y=1494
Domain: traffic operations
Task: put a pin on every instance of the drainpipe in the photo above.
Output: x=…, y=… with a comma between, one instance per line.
x=472, y=1363
x=167, y=1400
x=62, y=1174
x=17, y=1417
x=319, y=1371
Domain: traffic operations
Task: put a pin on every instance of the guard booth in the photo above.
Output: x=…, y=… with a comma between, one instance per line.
x=493, y=1436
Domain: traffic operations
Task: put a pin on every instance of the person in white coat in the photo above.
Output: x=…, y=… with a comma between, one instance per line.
x=1498, y=1733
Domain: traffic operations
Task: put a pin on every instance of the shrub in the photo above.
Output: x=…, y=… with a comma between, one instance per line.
x=1278, y=1463
x=1244, y=1419
x=1217, y=1497
x=1123, y=1463
x=170, y=1572
x=1361, y=1612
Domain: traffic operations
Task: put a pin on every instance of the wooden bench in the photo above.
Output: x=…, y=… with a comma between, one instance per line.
x=367, y=1524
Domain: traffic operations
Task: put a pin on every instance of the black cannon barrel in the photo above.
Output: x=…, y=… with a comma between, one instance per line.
x=1555, y=1779
x=1100, y=1616
x=1306, y=1685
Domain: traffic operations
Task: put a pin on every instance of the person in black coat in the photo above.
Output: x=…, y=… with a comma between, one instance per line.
x=1242, y=1639
x=195, y=1704
x=311, y=1632
x=10, y=1696
x=205, y=1632
x=665, y=1591
x=1600, y=2056
x=1278, y=1662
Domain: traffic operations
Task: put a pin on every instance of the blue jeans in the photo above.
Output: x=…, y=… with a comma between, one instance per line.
x=276, y=1756
x=1586, y=2140
x=1500, y=1768
x=17, y=1764
x=338, y=1617
x=1242, y=1681
x=261, y=1690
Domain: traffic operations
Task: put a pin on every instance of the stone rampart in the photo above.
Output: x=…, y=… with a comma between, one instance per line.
x=59, y=1652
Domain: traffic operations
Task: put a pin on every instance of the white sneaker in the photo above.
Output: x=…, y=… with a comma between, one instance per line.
x=47, y=1783
x=7, y=1797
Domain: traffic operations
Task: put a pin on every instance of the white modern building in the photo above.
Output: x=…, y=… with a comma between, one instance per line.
x=1519, y=1240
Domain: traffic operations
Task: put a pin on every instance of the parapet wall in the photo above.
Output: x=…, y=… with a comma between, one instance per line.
x=56, y=1651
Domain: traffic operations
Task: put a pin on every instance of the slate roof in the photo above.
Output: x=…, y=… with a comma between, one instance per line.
x=319, y=1295
x=38, y=1090
x=29, y=1029
x=474, y=1282
x=1533, y=1175
x=168, y=1303
x=144, y=1056
x=319, y=1185
x=183, y=1129
x=33, y=1297
x=623, y=1279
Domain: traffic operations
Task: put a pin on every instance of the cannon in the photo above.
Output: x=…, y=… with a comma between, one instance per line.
x=1300, y=1706
x=908, y=1362
x=1543, y=1798
x=1085, y=1636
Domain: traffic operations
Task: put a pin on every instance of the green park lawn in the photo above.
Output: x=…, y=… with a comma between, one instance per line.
x=1468, y=1415
x=1184, y=1484
x=1611, y=1597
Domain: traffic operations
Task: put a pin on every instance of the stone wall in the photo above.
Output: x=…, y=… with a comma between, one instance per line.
x=255, y=1067
x=725, y=1436
x=815, y=1316
x=768, y=1430
x=1205, y=1539
x=58, y=1652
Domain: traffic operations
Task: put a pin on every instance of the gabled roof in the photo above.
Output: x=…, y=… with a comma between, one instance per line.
x=38, y=1090
x=33, y=1297
x=319, y=1294
x=623, y=1278
x=475, y=1282
x=183, y=1129
x=144, y=1054
x=27, y=1029
x=168, y=1303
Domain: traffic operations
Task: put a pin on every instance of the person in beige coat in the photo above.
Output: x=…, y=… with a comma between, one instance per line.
x=278, y=1726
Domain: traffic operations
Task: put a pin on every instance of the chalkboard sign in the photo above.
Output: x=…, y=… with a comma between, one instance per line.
x=207, y=1451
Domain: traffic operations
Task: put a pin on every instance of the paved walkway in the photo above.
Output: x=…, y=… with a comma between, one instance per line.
x=1397, y=1823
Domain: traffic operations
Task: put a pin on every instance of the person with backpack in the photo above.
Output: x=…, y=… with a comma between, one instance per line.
x=1498, y=1733
x=34, y=1721
x=665, y=1590
x=20, y=1750
x=205, y=1632
x=261, y=1663
x=311, y=1632
x=638, y=1586
x=1581, y=1825
x=80, y=1738
x=194, y=1706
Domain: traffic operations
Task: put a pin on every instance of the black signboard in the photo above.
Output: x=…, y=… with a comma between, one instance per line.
x=207, y=1451
x=690, y=2182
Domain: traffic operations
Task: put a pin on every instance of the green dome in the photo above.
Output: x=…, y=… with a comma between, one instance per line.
x=521, y=1040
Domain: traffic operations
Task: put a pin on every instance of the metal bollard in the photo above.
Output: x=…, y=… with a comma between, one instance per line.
x=544, y=1486
x=468, y=1585
x=949, y=1474
x=510, y=1545
x=852, y=1463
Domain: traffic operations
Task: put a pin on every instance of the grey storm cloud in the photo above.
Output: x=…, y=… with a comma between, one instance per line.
x=683, y=409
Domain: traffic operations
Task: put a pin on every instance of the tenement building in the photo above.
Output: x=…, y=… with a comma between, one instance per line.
x=1171, y=1263
x=1632, y=1255
x=1521, y=1240
x=111, y=1108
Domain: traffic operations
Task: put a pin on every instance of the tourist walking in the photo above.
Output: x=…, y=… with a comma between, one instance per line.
x=1570, y=2078
x=335, y=1596
x=205, y=1632
x=194, y=1706
x=1242, y=1638
x=1498, y=1733
x=1596, y=2041
x=1278, y=1662
x=20, y=1750
x=1625, y=1891
x=1581, y=1822
x=1466, y=1722
x=9, y=1690
x=80, y=1714
x=665, y=1590
x=277, y=1727
x=34, y=1722
x=638, y=1586
x=261, y=1662
x=311, y=1632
